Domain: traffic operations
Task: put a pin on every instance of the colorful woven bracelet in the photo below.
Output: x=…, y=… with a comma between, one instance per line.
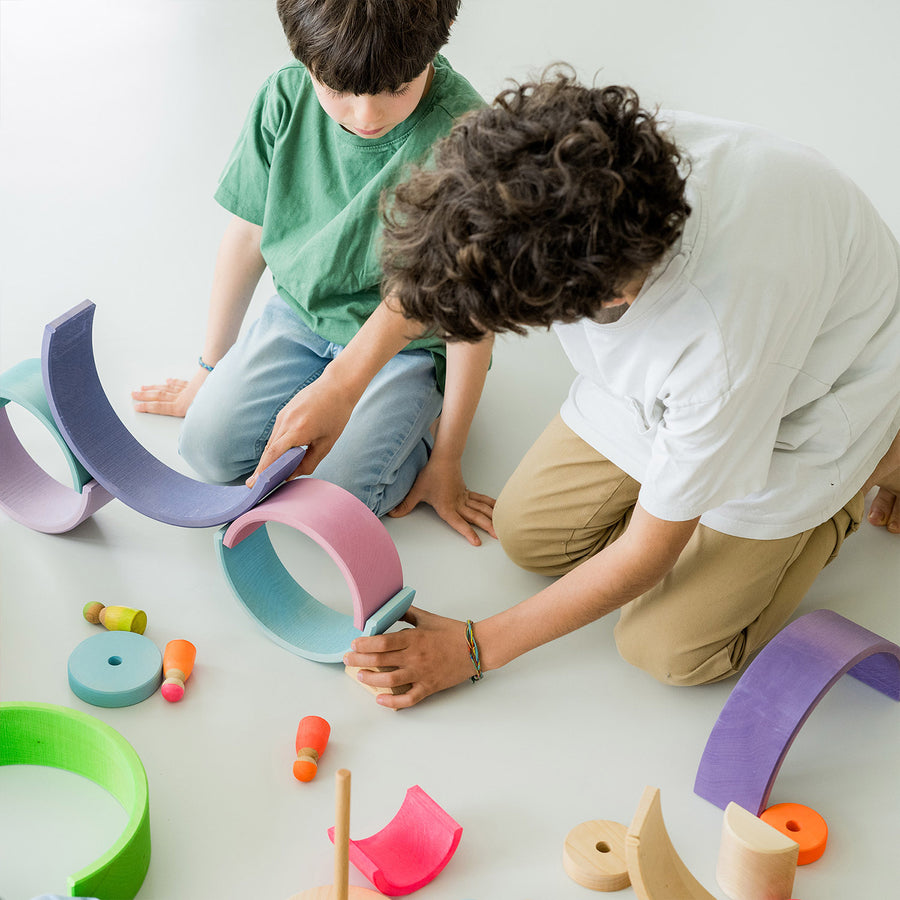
x=204, y=365
x=473, y=650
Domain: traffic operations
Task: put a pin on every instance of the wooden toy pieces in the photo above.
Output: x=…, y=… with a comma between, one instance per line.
x=656, y=870
x=178, y=663
x=39, y=734
x=341, y=889
x=755, y=859
x=106, y=448
x=350, y=533
x=776, y=695
x=115, y=668
x=594, y=855
x=801, y=824
x=115, y=618
x=312, y=738
x=28, y=494
x=411, y=849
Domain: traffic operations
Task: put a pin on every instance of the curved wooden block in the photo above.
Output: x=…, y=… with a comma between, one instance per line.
x=411, y=849
x=27, y=493
x=656, y=870
x=777, y=694
x=106, y=448
x=351, y=534
x=755, y=859
x=40, y=734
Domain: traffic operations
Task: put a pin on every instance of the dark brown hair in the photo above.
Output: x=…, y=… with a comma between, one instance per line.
x=366, y=46
x=536, y=210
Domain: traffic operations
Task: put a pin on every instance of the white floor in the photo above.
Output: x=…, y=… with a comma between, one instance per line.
x=116, y=118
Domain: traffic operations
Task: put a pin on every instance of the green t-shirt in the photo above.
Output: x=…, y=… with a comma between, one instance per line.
x=315, y=189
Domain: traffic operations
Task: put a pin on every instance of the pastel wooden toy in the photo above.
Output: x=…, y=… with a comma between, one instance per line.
x=39, y=734
x=28, y=494
x=594, y=855
x=115, y=618
x=312, y=739
x=411, y=849
x=113, y=456
x=116, y=668
x=178, y=663
x=801, y=824
x=776, y=695
x=656, y=870
x=353, y=537
x=341, y=889
x=755, y=860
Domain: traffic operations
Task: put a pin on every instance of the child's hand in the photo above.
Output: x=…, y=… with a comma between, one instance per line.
x=170, y=399
x=430, y=657
x=441, y=485
x=314, y=418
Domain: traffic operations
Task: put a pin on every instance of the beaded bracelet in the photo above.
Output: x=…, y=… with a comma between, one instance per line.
x=473, y=650
x=204, y=365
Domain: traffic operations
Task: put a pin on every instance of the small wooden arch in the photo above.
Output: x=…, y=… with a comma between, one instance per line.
x=28, y=494
x=352, y=535
x=777, y=694
x=411, y=849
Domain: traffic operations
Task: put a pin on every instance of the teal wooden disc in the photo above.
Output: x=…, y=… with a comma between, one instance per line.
x=116, y=668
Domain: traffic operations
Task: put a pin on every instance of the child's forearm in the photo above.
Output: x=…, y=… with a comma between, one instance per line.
x=239, y=266
x=384, y=334
x=467, y=366
x=626, y=569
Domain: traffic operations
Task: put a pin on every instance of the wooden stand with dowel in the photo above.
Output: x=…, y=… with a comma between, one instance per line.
x=341, y=889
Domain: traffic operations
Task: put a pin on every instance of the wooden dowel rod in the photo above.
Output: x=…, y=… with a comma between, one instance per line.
x=342, y=835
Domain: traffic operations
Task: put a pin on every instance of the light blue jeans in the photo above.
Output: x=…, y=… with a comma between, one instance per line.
x=379, y=454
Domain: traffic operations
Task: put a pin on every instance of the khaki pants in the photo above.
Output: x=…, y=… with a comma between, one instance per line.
x=725, y=597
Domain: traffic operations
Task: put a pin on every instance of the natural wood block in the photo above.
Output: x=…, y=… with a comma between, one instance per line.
x=594, y=855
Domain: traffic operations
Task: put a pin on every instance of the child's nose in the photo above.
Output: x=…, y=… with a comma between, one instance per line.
x=368, y=110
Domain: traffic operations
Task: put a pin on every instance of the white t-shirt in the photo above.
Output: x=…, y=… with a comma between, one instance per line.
x=755, y=380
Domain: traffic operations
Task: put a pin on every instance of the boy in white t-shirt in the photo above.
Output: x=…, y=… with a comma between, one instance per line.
x=731, y=305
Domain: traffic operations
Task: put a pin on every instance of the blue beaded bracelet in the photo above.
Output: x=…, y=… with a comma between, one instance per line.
x=204, y=365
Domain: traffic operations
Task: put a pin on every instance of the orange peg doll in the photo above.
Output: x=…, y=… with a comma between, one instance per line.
x=178, y=663
x=312, y=738
x=115, y=618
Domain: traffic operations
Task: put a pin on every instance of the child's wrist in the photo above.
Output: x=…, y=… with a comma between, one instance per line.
x=349, y=379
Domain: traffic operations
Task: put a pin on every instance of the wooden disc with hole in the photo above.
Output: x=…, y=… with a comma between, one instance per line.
x=594, y=855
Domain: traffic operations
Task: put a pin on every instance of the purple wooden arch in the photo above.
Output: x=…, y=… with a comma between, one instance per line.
x=108, y=450
x=777, y=694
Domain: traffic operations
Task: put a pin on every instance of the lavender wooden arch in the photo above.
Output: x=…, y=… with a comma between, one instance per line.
x=28, y=494
x=106, y=448
x=777, y=694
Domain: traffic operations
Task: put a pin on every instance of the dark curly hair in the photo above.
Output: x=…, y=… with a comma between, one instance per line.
x=536, y=210
x=366, y=46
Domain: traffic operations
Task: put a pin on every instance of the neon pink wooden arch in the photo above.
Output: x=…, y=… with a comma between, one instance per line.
x=411, y=849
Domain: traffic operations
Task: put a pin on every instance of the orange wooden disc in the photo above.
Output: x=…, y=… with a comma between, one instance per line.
x=800, y=824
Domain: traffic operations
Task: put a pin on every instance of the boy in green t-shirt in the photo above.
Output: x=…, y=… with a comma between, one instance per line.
x=329, y=364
